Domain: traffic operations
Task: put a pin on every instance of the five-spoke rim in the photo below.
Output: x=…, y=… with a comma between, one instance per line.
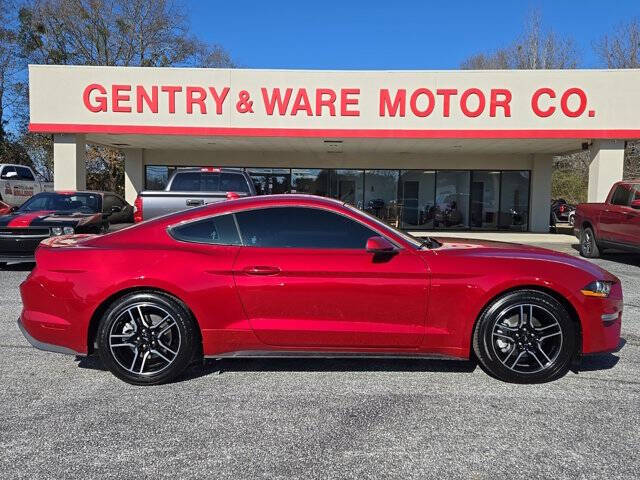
x=586, y=242
x=144, y=339
x=526, y=338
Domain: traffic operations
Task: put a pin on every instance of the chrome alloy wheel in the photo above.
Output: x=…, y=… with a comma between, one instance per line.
x=144, y=339
x=526, y=338
x=587, y=242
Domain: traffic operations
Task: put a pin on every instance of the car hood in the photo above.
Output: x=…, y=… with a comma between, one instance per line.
x=47, y=219
x=495, y=249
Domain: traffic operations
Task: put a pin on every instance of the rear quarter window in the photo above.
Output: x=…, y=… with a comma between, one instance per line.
x=219, y=230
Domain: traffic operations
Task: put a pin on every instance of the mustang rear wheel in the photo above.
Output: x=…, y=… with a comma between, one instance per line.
x=525, y=336
x=146, y=338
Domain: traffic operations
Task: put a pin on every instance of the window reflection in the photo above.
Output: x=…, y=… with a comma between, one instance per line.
x=381, y=194
x=416, y=194
x=314, y=181
x=348, y=186
x=485, y=188
x=514, y=200
x=271, y=181
x=452, y=200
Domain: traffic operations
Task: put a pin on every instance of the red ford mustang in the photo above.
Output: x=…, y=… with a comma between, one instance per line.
x=300, y=275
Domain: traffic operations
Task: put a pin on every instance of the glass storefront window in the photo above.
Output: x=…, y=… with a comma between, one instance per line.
x=313, y=181
x=381, y=194
x=485, y=200
x=452, y=199
x=348, y=186
x=416, y=194
x=410, y=199
x=514, y=200
x=271, y=181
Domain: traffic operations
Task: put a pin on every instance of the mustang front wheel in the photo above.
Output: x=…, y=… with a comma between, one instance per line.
x=146, y=338
x=525, y=337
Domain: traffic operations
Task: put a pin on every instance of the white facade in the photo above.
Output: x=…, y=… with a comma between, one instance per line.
x=440, y=121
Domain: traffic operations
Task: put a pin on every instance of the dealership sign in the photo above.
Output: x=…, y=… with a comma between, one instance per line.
x=415, y=104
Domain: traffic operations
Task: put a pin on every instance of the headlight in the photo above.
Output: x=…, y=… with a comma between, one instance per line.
x=56, y=231
x=68, y=230
x=599, y=288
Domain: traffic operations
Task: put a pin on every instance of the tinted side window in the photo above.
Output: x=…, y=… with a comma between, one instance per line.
x=24, y=173
x=233, y=182
x=301, y=228
x=6, y=171
x=621, y=195
x=217, y=231
x=186, y=182
x=108, y=203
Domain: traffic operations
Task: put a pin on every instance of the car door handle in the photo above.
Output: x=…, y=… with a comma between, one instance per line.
x=194, y=202
x=261, y=270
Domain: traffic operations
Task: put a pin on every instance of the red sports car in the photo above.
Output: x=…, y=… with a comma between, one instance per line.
x=300, y=275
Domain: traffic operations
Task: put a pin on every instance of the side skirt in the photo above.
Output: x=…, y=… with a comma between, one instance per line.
x=323, y=354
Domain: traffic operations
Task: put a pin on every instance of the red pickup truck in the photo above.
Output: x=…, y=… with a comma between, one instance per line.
x=612, y=224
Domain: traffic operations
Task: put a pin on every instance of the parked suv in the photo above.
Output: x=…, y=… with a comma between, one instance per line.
x=612, y=224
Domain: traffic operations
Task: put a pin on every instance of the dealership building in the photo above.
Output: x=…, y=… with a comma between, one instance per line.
x=423, y=150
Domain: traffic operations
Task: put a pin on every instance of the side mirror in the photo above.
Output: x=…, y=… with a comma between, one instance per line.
x=116, y=209
x=232, y=195
x=635, y=204
x=9, y=175
x=379, y=245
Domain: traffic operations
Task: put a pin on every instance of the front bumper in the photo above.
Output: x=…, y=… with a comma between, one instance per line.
x=17, y=258
x=602, y=322
x=18, y=248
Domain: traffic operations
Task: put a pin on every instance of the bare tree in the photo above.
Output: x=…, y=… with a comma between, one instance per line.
x=621, y=49
x=147, y=33
x=535, y=49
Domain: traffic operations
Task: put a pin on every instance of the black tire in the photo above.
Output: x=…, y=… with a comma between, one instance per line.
x=536, y=361
x=588, y=243
x=165, y=347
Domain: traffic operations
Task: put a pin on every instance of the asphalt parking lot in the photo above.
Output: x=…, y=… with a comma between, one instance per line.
x=64, y=417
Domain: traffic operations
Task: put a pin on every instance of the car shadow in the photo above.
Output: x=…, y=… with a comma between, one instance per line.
x=618, y=256
x=221, y=366
x=212, y=366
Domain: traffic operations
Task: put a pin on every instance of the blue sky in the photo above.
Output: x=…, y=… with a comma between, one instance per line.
x=391, y=35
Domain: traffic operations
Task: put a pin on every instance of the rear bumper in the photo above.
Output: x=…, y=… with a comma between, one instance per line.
x=47, y=347
x=49, y=333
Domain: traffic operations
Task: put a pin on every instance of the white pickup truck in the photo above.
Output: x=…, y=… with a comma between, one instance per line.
x=18, y=183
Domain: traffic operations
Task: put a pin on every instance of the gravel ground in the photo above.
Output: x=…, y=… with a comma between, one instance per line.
x=234, y=418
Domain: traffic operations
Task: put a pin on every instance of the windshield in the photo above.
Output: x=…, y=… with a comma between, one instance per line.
x=416, y=242
x=61, y=202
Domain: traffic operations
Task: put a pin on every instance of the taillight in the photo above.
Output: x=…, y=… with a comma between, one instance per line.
x=137, y=209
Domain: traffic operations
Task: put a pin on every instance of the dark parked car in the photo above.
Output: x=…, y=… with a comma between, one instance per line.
x=53, y=214
x=561, y=212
